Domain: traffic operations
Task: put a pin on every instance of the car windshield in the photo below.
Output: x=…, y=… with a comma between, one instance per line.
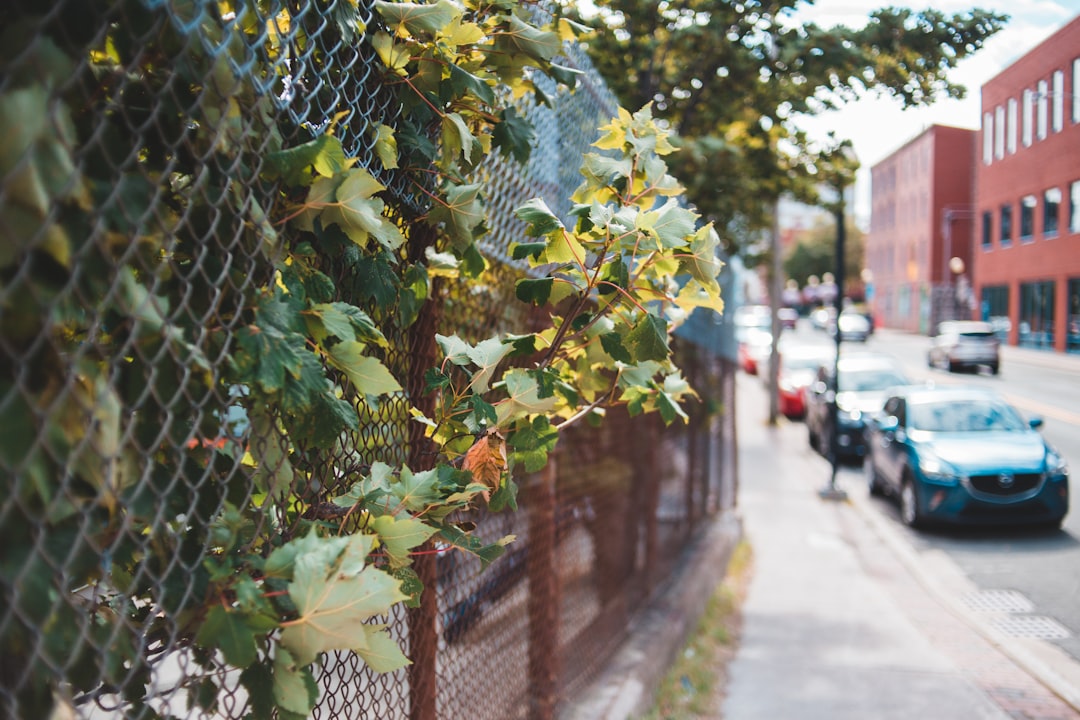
x=802, y=362
x=868, y=379
x=964, y=415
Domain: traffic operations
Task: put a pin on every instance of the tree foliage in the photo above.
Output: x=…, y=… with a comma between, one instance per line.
x=264, y=561
x=733, y=78
x=814, y=253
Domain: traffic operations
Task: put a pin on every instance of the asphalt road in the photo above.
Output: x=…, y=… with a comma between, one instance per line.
x=1039, y=567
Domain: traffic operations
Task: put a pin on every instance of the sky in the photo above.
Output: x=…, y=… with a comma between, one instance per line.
x=878, y=127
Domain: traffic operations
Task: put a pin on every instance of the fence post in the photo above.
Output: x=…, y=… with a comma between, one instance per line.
x=422, y=621
x=544, y=597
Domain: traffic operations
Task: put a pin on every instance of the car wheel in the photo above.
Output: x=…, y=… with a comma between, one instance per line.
x=873, y=482
x=994, y=369
x=812, y=437
x=910, y=512
x=953, y=367
x=930, y=360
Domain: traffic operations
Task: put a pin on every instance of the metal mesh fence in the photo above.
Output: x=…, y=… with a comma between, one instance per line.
x=134, y=243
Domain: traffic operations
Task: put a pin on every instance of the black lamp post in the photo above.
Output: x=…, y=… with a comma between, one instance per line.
x=841, y=164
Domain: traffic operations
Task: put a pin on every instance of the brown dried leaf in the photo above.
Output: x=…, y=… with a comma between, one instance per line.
x=486, y=460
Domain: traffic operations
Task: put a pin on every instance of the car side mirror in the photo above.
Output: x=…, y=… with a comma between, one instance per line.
x=1035, y=422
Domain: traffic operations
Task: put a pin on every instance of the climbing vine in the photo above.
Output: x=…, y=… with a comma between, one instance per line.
x=137, y=358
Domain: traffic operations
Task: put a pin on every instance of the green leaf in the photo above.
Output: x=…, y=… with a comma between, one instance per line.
x=613, y=346
x=457, y=139
x=486, y=356
x=343, y=321
x=513, y=135
x=521, y=38
x=648, y=339
x=416, y=491
x=504, y=497
x=672, y=224
x=461, y=215
x=400, y=535
x=520, y=251
x=335, y=598
x=533, y=443
x=542, y=221
x=532, y=291
x=386, y=148
x=367, y=374
x=473, y=545
x=523, y=396
x=359, y=214
x=324, y=154
x=294, y=687
x=411, y=585
x=376, y=279
x=227, y=631
x=258, y=680
x=462, y=82
x=380, y=651
x=418, y=18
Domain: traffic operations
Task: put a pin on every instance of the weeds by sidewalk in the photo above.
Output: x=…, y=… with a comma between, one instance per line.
x=694, y=686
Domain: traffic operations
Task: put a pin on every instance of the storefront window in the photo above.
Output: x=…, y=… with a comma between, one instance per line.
x=994, y=309
x=1037, y=314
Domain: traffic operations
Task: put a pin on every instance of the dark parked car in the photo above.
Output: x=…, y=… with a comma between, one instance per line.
x=964, y=456
x=964, y=344
x=864, y=378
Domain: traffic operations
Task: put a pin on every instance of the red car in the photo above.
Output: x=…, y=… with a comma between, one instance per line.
x=798, y=370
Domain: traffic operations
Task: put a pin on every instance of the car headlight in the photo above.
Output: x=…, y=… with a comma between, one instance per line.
x=1056, y=466
x=936, y=470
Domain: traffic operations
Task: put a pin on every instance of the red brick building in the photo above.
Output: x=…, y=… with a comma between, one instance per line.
x=922, y=205
x=1026, y=264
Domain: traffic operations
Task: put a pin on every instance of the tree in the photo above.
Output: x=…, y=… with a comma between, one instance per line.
x=733, y=78
x=815, y=253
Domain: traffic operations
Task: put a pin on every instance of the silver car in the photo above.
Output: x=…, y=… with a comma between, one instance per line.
x=964, y=344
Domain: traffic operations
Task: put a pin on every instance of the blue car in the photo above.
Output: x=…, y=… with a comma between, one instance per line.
x=964, y=456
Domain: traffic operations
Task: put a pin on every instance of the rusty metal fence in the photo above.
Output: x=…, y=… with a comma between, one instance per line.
x=133, y=226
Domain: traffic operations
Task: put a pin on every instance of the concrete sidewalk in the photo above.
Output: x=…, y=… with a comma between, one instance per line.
x=836, y=627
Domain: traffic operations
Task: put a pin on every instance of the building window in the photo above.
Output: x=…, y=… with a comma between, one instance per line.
x=999, y=132
x=1010, y=134
x=1006, y=226
x=987, y=229
x=994, y=308
x=1029, y=117
x=1058, y=97
x=1074, y=207
x=1037, y=314
x=1051, y=209
x=1040, y=111
x=1076, y=91
x=1027, y=217
x=988, y=138
x=1073, y=329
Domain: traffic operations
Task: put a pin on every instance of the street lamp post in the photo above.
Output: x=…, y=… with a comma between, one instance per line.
x=841, y=164
x=958, y=288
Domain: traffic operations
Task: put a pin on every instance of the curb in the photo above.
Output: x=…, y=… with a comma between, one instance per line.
x=626, y=687
x=1062, y=677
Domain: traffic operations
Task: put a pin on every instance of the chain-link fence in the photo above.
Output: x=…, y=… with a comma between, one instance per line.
x=135, y=241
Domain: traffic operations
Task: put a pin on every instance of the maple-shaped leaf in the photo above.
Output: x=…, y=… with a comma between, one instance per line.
x=533, y=443
x=461, y=215
x=325, y=155
x=486, y=460
x=334, y=599
x=521, y=38
x=486, y=356
x=523, y=398
x=670, y=225
x=536, y=291
x=542, y=221
x=513, y=135
x=400, y=535
x=395, y=56
x=367, y=374
x=457, y=139
x=380, y=651
x=359, y=214
x=485, y=552
x=343, y=321
x=417, y=18
x=227, y=630
x=294, y=688
x=415, y=491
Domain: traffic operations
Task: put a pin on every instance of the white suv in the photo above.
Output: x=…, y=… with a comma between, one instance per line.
x=961, y=344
